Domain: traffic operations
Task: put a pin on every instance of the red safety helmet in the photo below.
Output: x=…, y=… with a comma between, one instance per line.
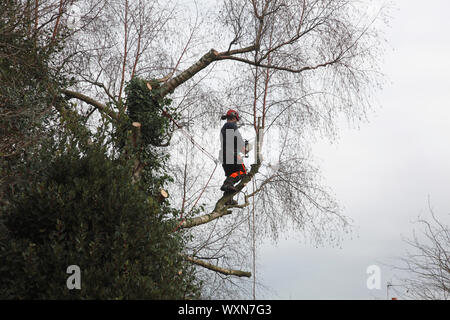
x=231, y=114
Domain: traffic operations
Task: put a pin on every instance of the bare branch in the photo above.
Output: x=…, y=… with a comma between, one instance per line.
x=56, y=28
x=125, y=51
x=101, y=107
x=227, y=272
x=281, y=68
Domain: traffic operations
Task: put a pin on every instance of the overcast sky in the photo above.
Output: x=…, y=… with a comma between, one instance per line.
x=383, y=173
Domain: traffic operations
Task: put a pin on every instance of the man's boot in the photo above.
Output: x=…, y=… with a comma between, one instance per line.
x=228, y=184
x=230, y=202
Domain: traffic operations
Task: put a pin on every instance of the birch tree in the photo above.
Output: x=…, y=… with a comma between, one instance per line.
x=426, y=265
x=291, y=67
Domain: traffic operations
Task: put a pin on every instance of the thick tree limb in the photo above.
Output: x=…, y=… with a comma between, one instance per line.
x=214, y=55
x=216, y=214
x=100, y=106
x=228, y=272
x=221, y=209
x=204, y=61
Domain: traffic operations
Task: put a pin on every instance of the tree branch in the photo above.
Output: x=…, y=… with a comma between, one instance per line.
x=100, y=106
x=138, y=50
x=221, y=209
x=101, y=85
x=204, y=61
x=275, y=67
x=213, y=55
x=228, y=272
x=55, y=29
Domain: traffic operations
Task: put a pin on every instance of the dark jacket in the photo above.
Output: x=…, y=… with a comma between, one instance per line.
x=231, y=143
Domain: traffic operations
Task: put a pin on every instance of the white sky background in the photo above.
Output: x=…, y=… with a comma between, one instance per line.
x=383, y=173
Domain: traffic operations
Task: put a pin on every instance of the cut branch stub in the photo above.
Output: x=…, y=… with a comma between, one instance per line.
x=163, y=195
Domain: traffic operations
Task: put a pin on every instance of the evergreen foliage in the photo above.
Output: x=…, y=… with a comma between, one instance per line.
x=28, y=85
x=73, y=199
x=146, y=106
x=80, y=207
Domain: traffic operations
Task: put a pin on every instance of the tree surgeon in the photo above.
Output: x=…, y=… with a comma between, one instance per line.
x=232, y=146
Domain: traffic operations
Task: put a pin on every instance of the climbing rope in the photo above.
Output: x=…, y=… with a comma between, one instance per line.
x=190, y=137
x=204, y=151
x=254, y=243
x=198, y=198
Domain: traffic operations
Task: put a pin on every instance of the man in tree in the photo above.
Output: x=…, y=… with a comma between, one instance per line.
x=296, y=65
x=232, y=145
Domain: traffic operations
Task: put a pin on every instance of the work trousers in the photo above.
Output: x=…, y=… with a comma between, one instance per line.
x=234, y=170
